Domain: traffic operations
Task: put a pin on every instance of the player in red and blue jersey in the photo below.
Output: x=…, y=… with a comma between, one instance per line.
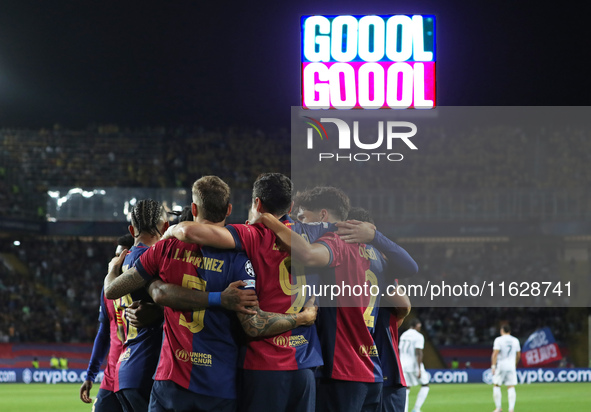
x=139, y=356
x=271, y=193
x=288, y=360
x=197, y=369
x=386, y=336
x=352, y=376
x=109, y=338
x=352, y=373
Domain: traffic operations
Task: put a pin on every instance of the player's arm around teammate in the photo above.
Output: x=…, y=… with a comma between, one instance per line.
x=186, y=299
x=309, y=254
x=268, y=324
x=355, y=231
x=201, y=234
x=254, y=321
x=257, y=323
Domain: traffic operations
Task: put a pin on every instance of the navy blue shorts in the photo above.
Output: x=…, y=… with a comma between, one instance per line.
x=106, y=401
x=346, y=396
x=277, y=391
x=167, y=396
x=393, y=398
x=133, y=400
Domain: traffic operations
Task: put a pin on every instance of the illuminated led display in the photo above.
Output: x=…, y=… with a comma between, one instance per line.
x=368, y=62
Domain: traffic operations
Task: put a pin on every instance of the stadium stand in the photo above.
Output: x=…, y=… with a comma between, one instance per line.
x=58, y=279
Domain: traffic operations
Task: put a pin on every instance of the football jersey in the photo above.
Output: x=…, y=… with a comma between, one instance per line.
x=345, y=331
x=279, y=287
x=386, y=338
x=508, y=346
x=139, y=356
x=110, y=314
x=409, y=341
x=199, y=348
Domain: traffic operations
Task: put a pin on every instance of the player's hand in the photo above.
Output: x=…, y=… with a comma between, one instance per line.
x=168, y=234
x=419, y=374
x=141, y=314
x=85, y=391
x=117, y=261
x=307, y=317
x=238, y=300
x=493, y=369
x=257, y=218
x=354, y=231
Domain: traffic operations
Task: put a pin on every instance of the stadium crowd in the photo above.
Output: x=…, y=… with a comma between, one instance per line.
x=447, y=326
x=56, y=299
x=490, y=159
x=34, y=161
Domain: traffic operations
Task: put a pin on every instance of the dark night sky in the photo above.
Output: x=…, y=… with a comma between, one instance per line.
x=195, y=62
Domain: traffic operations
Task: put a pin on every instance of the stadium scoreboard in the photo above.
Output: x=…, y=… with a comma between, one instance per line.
x=368, y=62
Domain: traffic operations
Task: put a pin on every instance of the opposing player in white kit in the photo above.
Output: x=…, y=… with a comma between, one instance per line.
x=505, y=357
x=411, y=346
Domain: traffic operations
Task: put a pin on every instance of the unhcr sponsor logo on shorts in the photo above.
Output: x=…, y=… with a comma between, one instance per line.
x=290, y=341
x=196, y=358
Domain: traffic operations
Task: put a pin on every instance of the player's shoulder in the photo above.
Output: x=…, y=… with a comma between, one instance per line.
x=406, y=333
x=165, y=243
x=312, y=226
x=241, y=227
x=416, y=335
x=237, y=258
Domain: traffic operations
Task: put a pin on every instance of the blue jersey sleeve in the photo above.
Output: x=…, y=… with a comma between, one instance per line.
x=399, y=260
x=236, y=237
x=244, y=271
x=313, y=231
x=103, y=314
x=101, y=344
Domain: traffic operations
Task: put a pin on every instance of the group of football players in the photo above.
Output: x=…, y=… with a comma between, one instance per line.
x=204, y=316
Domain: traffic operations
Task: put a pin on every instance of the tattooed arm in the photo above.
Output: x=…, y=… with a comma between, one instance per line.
x=117, y=285
x=267, y=323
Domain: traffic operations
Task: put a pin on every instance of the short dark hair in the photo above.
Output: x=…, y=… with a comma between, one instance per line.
x=212, y=197
x=126, y=241
x=361, y=214
x=325, y=197
x=146, y=216
x=274, y=190
x=414, y=322
x=506, y=328
x=186, y=215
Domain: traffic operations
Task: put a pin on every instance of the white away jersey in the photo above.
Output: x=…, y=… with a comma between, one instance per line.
x=409, y=341
x=508, y=346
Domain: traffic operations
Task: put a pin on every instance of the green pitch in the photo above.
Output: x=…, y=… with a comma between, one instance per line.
x=475, y=397
x=539, y=397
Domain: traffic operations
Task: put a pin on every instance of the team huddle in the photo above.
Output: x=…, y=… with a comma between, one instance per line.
x=204, y=316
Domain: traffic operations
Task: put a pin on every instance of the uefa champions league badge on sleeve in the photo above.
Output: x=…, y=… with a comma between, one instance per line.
x=249, y=269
